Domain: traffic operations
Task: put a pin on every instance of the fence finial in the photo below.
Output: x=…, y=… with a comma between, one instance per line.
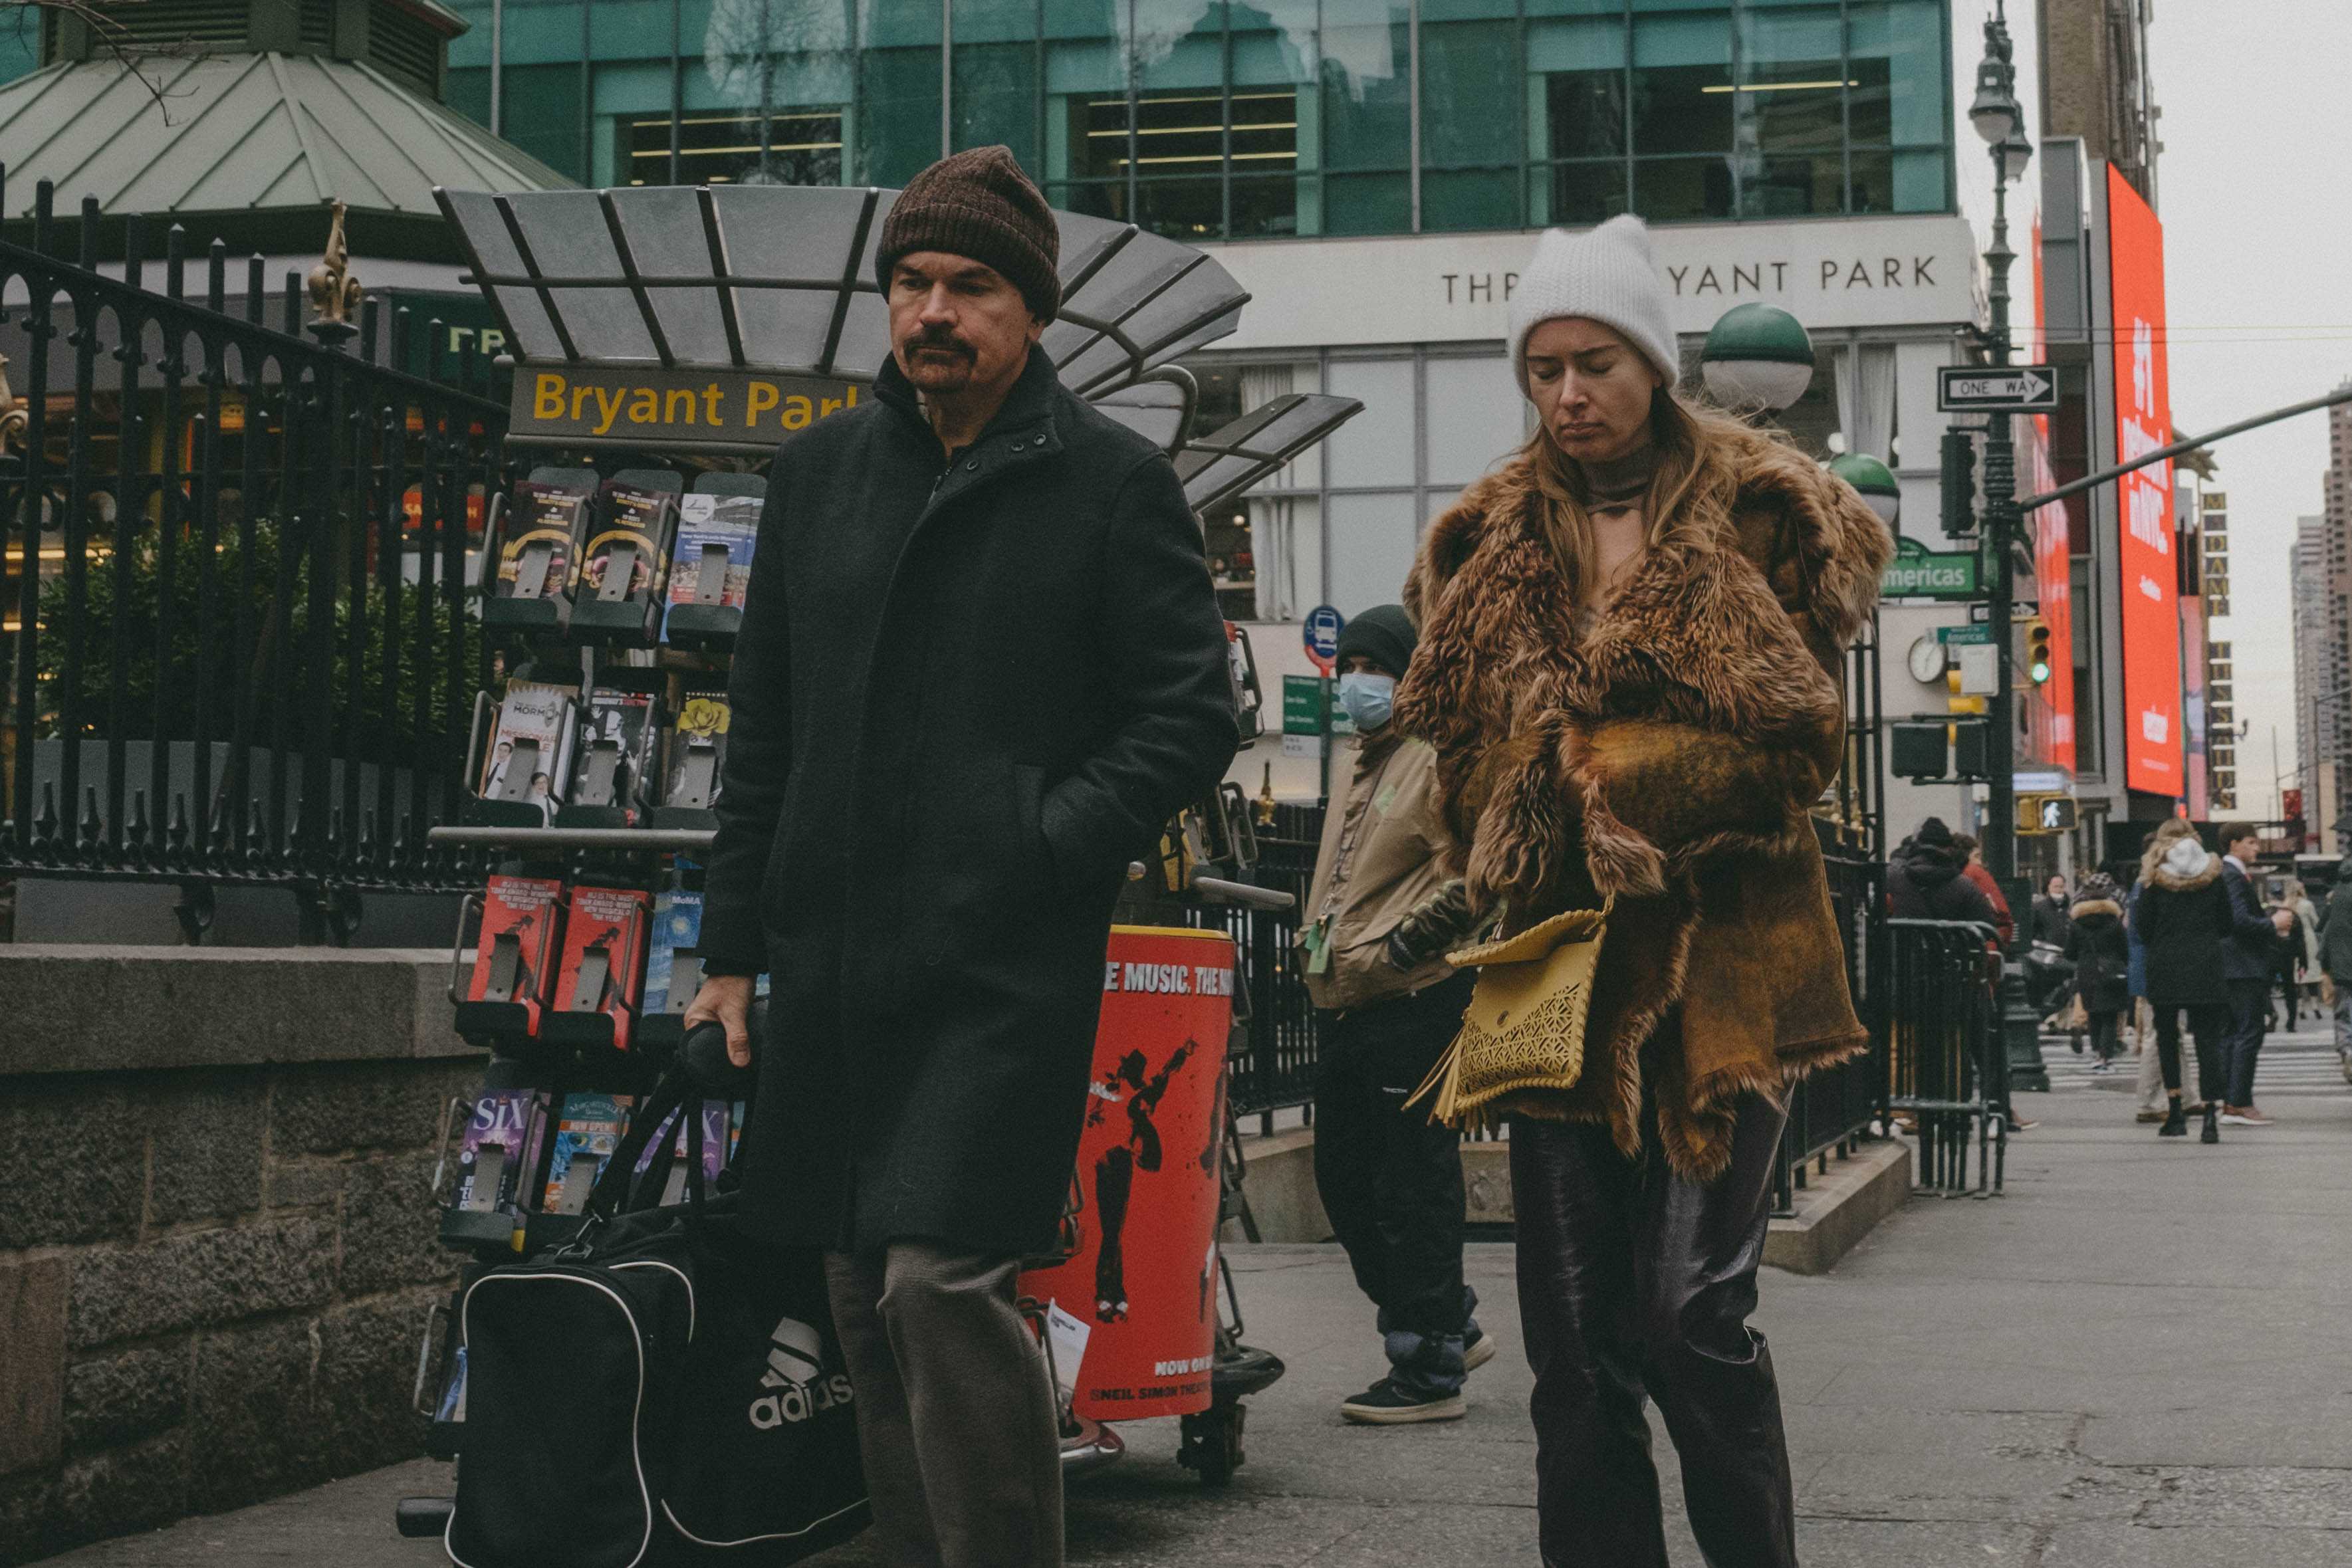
x=334, y=292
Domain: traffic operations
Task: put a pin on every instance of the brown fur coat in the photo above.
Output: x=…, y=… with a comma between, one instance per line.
x=1667, y=758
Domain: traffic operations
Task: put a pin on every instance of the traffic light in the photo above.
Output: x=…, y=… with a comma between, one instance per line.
x=2046, y=814
x=1959, y=486
x=2037, y=649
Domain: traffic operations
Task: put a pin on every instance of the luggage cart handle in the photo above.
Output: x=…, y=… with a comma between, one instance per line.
x=1219, y=891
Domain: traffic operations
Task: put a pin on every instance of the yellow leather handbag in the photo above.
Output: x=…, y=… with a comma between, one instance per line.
x=1525, y=1025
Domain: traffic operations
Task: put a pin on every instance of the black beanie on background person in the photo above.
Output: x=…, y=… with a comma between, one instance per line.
x=1383, y=634
x=1935, y=834
x=978, y=203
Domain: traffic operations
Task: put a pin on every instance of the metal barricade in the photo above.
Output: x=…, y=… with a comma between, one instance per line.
x=1275, y=1068
x=1835, y=1109
x=1947, y=1066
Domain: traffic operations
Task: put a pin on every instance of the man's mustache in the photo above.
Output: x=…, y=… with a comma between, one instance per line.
x=946, y=340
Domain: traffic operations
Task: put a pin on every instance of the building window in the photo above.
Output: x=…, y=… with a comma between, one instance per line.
x=1251, y=120
x=793, y=149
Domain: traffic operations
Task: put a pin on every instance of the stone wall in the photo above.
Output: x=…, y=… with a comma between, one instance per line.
x=216, y=1245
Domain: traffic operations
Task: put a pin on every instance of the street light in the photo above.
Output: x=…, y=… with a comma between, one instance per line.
x=1757, y=356
x=2002, y=122
x=1874, y=480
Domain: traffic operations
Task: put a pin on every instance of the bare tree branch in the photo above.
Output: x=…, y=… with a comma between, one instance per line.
x=134, y=55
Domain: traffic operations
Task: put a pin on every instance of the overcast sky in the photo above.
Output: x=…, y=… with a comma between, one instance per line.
x=2254, y=185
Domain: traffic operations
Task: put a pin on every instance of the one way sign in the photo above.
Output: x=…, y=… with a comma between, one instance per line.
x=1974, y=388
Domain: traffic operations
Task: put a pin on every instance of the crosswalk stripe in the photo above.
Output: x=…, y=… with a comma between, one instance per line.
x=2303, y=1064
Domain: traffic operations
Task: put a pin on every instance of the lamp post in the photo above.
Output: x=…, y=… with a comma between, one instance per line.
x=2002, y=122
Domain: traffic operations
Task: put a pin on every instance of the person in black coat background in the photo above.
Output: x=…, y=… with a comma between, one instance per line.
x=981, y=666
x=2182, y=918
x=2249, y=958
x=2100, y=949
x=1925, y=879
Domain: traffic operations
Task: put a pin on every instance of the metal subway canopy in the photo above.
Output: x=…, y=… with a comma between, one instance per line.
x=722, y=318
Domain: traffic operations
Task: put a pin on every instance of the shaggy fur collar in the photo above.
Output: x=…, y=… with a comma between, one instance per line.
x=2176, y=881
x=1828, y=538
x=2096, y=906
x=1732, y=623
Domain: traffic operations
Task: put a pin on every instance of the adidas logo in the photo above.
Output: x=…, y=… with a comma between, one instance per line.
x=796, y=1374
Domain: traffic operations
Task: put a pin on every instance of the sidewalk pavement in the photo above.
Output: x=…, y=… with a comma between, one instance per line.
x=2141, y=1354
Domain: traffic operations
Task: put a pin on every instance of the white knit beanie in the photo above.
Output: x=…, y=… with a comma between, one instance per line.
x=1607, y=274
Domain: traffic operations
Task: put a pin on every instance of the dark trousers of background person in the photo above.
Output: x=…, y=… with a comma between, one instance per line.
x=2249, y=1013
x=2289, y=991
x=1391, y=1179
x=1634, y=1280
x=2210, y=1027
x=2106, y=1041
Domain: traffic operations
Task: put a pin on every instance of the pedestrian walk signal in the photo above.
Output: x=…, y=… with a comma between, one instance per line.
x=2037, y=649
x=2045, y=814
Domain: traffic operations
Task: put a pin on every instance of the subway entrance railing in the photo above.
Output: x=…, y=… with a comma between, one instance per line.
x=251, y=660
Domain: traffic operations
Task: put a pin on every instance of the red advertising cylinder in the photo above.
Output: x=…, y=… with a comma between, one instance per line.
x=1131, y=1315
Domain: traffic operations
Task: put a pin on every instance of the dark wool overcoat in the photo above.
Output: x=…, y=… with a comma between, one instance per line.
x=969, y=690
x=1668, y=756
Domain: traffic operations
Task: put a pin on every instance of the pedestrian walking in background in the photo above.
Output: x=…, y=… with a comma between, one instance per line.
x=2149, y=1092
x=2306, y=915
x=1632, y=637
x=2290, y=956
x=2336, y=960
x=979, y=667
x=1926, y=879
x=2100, y=950
x=1973, y=867
x=2052, y=918
x=2248, y=958
x=2184, y=917
x=1385, y=906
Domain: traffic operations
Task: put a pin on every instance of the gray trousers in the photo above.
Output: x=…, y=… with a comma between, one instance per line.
x=955, y=1411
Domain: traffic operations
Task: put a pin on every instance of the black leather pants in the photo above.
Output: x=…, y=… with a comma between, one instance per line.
x=1631, y=1280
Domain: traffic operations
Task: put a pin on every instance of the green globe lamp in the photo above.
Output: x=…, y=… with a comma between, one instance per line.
x=1874, y=480
x=1757, y=356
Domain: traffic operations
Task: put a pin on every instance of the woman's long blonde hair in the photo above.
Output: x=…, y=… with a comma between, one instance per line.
x=1696, y=444
x=2168, y=833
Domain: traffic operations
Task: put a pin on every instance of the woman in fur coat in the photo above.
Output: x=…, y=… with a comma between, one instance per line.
x=2182, y=916
x=2100, y=949
x=1630, y=634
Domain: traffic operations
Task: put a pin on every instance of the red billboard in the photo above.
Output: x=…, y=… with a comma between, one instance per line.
x=2051, y=709
x=2150, y=581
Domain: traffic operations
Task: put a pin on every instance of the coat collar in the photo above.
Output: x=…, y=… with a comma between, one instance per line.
x=1028, y=406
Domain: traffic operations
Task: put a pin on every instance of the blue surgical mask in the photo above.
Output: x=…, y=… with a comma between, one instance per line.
x=1366, y=697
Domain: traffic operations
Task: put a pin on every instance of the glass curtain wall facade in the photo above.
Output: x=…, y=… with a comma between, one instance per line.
x=1213, y=119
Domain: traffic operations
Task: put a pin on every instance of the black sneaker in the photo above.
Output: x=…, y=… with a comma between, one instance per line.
x=1477, y=1350
x=2176, y=1125
x=2212, y=1132
x=1384, y=1403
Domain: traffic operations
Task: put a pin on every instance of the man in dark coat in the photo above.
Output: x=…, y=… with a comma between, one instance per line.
x=2248, y=959
x=1927, y=880
x=980, y=665
x=2336, y=960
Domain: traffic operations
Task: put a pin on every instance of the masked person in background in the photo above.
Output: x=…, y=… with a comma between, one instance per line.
x=1386, y=906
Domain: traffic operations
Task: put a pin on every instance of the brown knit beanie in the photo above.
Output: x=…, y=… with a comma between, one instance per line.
x=978, y=203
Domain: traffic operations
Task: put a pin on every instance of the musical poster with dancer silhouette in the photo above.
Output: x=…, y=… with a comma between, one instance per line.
x=1147, y=1176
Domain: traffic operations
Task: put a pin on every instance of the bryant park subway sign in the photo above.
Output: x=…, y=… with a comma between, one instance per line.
x=714, y=408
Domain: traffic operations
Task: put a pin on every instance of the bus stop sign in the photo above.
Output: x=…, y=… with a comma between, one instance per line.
x=1321, y=636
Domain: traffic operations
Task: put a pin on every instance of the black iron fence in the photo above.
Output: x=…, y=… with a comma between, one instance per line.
x=1833, y=1110
x=238, y=648
x=1276, y=1069
x=1948, y=1067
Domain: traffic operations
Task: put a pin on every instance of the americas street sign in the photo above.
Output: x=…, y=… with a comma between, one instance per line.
x=1975, y=389
x=1918, y=572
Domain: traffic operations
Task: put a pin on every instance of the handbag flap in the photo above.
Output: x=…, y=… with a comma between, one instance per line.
x=1568, y=926
x=1508, y=992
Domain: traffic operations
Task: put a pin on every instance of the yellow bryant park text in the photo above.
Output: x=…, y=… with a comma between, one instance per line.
x=745, y=406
